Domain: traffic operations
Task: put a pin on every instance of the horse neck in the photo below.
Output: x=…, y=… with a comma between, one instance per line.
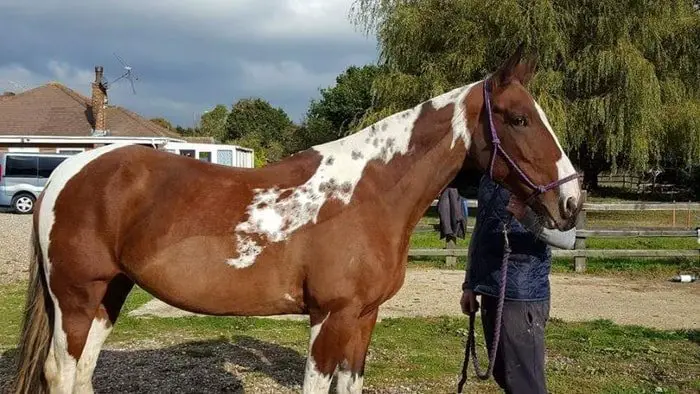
x=405, y=160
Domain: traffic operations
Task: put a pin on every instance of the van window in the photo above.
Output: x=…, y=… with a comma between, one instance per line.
x=21, y=166
x=48, y=164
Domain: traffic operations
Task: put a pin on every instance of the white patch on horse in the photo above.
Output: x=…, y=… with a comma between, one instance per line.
x=314, y=380
x=457, y=97
x=349, y=382
x=99, y=330
x=564, y=167
x=60, y=366
x=288, y=297
x=273, y=218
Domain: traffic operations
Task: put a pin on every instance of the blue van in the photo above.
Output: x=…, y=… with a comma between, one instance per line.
x=23, y=177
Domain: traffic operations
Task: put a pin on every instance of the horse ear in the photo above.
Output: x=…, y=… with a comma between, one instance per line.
x=515, y=69
x=504, y=75
x=525, y=70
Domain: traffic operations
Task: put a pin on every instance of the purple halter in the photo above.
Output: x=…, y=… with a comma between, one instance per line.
x=497, y=148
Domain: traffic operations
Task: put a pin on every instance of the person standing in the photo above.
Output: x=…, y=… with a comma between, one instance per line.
x=519, y=363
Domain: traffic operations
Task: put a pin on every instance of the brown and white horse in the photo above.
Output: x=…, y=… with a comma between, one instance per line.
x=324, y=232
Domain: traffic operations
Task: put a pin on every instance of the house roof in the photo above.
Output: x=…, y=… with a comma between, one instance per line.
x=56, y=110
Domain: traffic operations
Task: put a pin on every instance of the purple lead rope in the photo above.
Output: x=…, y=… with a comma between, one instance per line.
x=471, y=342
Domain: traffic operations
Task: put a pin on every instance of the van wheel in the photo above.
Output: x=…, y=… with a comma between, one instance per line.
x=23, y=203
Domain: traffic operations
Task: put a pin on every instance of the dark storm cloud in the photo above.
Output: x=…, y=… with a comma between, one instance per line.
x=189, y=55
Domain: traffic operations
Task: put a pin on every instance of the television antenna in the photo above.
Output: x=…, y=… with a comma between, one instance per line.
x=128, y=74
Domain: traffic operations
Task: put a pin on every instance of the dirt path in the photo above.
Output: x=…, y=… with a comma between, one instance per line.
x=431, y=292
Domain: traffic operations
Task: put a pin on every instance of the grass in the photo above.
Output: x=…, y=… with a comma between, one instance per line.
x=657, y=269
x=432, y=240
x=594, y=357
x=635, y=219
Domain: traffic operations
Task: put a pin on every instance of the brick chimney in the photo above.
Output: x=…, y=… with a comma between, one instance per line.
x=99, y=103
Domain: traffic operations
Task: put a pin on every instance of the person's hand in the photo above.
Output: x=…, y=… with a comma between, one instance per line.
x=468, y=302
x=516, y=207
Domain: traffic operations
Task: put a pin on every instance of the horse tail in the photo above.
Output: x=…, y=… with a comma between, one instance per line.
x=35, y=337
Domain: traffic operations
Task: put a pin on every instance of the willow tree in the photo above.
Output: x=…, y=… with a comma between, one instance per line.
x=619, y=79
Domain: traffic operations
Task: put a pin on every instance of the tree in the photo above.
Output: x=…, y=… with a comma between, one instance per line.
x=162, y=122
x=213, y=123
x=619, y=80
x=255, y=124
x=341, y=107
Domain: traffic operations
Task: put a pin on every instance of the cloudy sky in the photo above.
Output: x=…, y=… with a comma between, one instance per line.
x=188, y=55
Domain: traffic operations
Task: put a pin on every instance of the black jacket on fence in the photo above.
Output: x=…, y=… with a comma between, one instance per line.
x=453, y=221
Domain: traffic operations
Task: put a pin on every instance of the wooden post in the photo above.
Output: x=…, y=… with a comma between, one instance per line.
x=674, y=216
x=580, y=244
x=688, y=224
x=450, y=261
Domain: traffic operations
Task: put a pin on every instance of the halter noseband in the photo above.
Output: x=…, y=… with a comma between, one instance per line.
x=497, y=148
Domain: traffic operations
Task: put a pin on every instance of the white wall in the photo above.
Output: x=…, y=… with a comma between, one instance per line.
x=224, y=154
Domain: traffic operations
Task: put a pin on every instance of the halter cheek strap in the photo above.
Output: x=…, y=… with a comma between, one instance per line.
x=497, y=148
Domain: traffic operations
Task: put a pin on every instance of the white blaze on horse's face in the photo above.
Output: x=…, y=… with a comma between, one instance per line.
x=568, y=190
x=274, y=218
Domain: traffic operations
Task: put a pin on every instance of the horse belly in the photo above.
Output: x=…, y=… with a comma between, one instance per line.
x=194, y=275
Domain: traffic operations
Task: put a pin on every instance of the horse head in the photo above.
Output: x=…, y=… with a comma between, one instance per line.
x=515, y=145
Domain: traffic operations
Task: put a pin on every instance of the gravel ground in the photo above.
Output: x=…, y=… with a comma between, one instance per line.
x=248, y=366
x=14, y=246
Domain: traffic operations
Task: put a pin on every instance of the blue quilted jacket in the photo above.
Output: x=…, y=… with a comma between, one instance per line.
x=530, y=260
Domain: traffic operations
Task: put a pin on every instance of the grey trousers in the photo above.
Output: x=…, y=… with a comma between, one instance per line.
x=519, y=365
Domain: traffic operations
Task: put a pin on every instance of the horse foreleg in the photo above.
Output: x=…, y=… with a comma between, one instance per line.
x=339, y=341
x=352, y=369
x=317, y=378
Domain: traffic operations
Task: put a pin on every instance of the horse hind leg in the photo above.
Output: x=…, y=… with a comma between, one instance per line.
x=102, y=324
x=338, y=344
x=82, y=322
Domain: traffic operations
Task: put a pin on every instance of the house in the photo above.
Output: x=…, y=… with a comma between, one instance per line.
x=53, y=118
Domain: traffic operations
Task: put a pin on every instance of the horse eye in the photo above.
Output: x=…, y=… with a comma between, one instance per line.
x=519, y=121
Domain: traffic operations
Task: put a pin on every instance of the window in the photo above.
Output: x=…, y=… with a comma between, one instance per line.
x=21, y=166
x=205, y=156
x=48, y=164
x=224, y=157
x=187, y=152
